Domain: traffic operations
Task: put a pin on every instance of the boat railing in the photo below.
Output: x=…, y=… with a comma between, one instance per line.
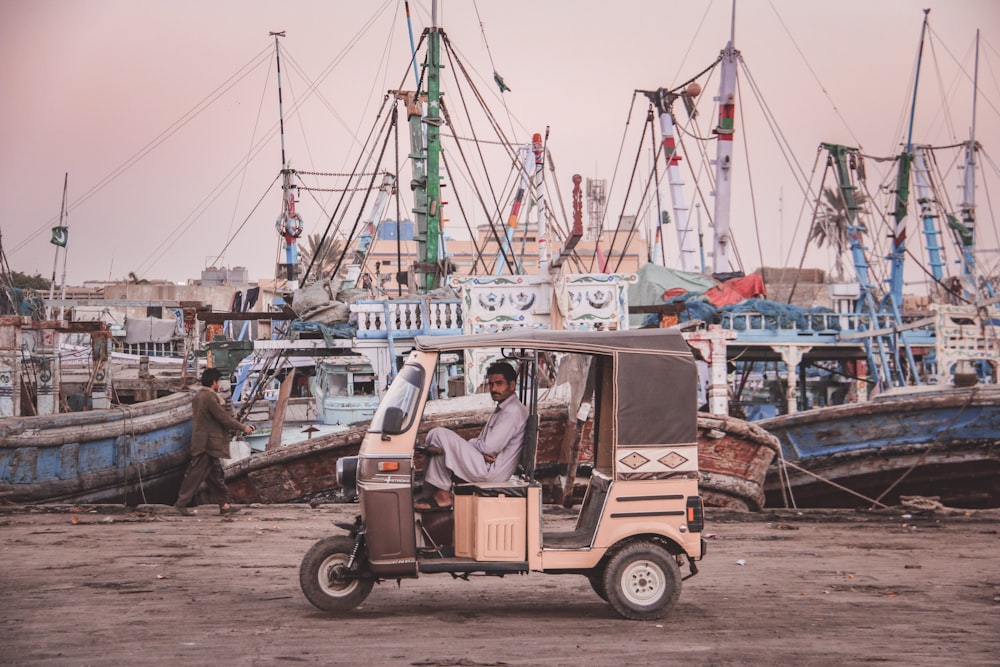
x=830, y=327
x=406, y=318
x=172, y=349
x=751, y=323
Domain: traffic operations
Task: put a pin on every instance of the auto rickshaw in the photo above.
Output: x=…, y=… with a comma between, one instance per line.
x=641, y=516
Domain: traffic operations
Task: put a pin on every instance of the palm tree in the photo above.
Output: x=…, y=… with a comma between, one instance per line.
x=832, y=224
x=326, y=253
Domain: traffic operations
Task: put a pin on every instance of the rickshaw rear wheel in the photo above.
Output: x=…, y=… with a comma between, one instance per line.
x=642, y=581
x=325, y=579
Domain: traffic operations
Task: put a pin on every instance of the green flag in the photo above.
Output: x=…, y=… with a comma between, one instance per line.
x=499, y=81
x=60, y=235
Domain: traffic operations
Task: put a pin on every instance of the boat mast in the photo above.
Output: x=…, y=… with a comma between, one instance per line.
x=426, y=171
x=926, y=201
x=968, y=205
x=897, y=256
x=663, y=100
x=539, y=148
x=505, y=250
x=724, y=151
x=878, y=347
x=60, y=233
x=289, y=223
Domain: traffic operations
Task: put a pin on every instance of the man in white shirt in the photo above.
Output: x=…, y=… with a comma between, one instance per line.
x=491, y=457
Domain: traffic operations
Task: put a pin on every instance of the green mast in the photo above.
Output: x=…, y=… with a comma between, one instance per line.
x=426, y=183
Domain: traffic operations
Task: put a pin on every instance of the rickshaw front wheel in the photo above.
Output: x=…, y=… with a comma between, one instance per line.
x=642, y=581
x=325, y=579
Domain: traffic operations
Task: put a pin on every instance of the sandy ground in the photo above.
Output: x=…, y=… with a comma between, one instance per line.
x=107, y=585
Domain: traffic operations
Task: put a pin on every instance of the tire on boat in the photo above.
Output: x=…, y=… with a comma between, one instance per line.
x=322, y=576
x=642, y=581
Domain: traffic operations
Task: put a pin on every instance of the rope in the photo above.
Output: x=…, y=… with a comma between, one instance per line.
x=330, y=173
x=832, y=483
x=934, y=443
x=128, y=431
x=358, y=189
x=814, y=75
x=628, y=190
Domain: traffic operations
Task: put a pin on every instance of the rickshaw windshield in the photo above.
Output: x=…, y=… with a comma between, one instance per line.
x=404, y=395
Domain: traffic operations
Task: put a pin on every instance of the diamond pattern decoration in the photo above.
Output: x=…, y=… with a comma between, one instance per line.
x=634, y=460
x=673, y=460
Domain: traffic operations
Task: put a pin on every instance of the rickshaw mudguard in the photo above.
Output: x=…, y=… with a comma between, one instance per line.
x=386, y=498
x=391, y=540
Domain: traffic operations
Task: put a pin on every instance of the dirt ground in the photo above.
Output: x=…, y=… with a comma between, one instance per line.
x=107, y=585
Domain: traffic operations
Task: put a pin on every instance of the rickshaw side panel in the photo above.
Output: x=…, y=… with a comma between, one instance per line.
x=391, y=541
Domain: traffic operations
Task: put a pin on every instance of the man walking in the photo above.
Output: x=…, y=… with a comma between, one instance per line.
x=211, y=424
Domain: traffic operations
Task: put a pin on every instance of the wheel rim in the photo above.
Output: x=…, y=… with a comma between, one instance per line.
x=643, y=583
x=330, y=576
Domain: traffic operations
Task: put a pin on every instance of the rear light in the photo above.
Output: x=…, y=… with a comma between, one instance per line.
x=695, y=514
x=388, y=466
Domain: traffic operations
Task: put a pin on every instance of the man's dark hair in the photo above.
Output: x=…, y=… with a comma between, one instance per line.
x=502, y=368
x=209, y=376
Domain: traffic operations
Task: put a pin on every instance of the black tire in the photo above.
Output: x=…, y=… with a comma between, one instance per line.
x=642, y=581
x=596, y=579
x=321, y=576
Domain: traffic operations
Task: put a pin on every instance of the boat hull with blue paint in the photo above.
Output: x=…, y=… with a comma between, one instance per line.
x=939, y=442
x=128, y=454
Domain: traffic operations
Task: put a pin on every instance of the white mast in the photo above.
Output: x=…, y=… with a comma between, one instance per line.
x=60, y=233
x=663, y=100
x=968, y=205
x=724, y=152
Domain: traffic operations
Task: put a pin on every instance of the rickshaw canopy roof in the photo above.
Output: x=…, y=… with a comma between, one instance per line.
x=655, y=377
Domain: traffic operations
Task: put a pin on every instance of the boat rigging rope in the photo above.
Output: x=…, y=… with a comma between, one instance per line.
x=799, y=219
x=130, y=452
x=233, y=236
x=493, y=213
x=923, y=456
x=489, y=211
x=364, y=202
x=621, y=216
x=305, y=188
x=328, y=173
x=631, y=232
x=826, y=93
x=614, y=176
x=489, y=53
x=188, y=116
x=786, y=462
x=345, y=201
x=478, y=258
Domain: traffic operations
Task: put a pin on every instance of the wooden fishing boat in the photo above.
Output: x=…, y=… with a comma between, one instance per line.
x=733, y=460
x=935, y=441
x=539, y=292
x=734, y=456
x=299, y=471
x=127, y=454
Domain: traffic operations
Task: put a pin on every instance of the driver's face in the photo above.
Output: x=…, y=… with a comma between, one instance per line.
x=500, y=389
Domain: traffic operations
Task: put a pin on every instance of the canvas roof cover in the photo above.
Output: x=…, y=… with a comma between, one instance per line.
x=655, y=375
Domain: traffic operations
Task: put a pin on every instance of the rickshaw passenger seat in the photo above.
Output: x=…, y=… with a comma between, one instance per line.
x=514, y=488
x=587, y=521
x=526, y=467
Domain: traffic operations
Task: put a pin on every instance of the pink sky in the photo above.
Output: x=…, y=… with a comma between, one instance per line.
x=89, y=84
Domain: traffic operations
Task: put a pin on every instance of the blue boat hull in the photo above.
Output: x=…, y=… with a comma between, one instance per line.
x=942, y=442
x=128, y=454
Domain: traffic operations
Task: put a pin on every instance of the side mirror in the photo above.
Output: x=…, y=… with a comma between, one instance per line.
x=392, y=421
